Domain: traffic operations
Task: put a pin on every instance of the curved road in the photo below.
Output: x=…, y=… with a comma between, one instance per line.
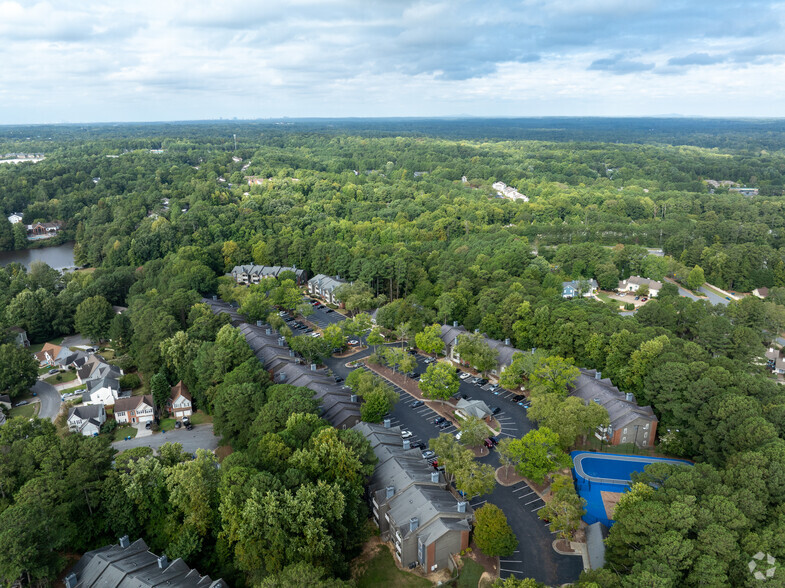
x=49, y=399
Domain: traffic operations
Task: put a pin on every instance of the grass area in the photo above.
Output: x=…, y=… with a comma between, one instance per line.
x=107, y=353
x=73, y=388
x=711, y=288
x=167, y=424
x=121, y=433
x=608, y=300
x=44, y=370
x=199, y=418
x=67, y=376
x=470, y=574
x=382, y=571
x=39, y=346
x=27, y=411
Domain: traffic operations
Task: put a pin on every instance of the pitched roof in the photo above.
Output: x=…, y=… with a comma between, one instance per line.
x=425, y=502
x=326, y=282
x=622, y=409
x=179, y=389
x=132, y=403
x=638, y=280
x=85, y=412
x=576, y=284
x=135, y=566
x=477, y=408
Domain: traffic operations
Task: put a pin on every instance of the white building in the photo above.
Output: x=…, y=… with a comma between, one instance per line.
x=86, y=420
x=633, y=284
x=15, y=217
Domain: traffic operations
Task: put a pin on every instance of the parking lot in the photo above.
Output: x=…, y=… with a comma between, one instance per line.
x=321, y=318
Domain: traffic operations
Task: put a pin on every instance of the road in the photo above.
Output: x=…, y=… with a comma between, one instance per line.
x=49, y=399
x=535, y=557
x=200, y=437
x=714, y=298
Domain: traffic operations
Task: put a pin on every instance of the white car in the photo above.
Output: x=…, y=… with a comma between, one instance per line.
x=405, y=434
x=458, y=435
x=315, y=334
x=465, y=376
x=354, y=342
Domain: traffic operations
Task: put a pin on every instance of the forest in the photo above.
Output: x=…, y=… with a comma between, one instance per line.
x=160, y=213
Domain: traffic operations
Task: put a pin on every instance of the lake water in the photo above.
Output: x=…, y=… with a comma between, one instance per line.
x=59, y=257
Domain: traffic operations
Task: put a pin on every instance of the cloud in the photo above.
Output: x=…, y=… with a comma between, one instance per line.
x=697, y=59
x=620, y=66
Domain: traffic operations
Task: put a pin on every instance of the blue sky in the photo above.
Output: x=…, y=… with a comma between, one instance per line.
x=139, y=60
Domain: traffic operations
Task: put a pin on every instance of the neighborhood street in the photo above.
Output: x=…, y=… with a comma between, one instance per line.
x=49, y=399
x=200, y=437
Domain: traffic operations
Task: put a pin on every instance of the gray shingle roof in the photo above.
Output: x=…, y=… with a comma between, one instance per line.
x=86, y=412
x=134, y=566
x=328, y=283
x=424, y=503
x=621, y=411
x=476, y=408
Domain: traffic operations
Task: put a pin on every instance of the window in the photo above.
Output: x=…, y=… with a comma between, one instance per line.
x=625, y=430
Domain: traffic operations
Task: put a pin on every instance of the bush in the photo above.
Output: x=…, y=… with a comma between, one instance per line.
x=130, y=381
x=109, y=426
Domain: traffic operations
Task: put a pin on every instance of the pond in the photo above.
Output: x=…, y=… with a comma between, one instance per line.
x=59, y=257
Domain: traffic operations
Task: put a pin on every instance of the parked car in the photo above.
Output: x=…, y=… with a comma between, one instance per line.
x=189, y=426
x=418, y=444
x=338, y=379
x=482, y=382
x=493, y=388
x=428, y=360
x=518, y=397
x=353, y=342
x=435, y=464
x=476, y=379
x=427, y=454
x=315, y=334
x=495, y=409
x=308, y=330
x=637, y=298
x=458, y=435
x=328, y=310
x=445, y=424
x=417, y=403
x=148, y=425
x=416, y=376
x=21, y=403
x=645, y=298
x=465, y=376
x=439, y=420
x=405, y=434
x=494, y=439
x=410, y=374
x=488, y=443
x=622, y=293
x=178, y=424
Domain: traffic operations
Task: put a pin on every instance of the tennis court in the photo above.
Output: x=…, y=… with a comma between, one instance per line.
x=601, y=478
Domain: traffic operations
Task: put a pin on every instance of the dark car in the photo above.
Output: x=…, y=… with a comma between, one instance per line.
x=457, y=370
x=494, y=439
x=445, y=425
x=148, y=425
x=418, y=444
x=410, y=374
x=488, y=443
x=416, y=403
x=412, y=351
x=328, y=310
x=495, y=409
x=338, y=379
x=518, y=397
x=189, y=426
x=482, y=382
x=416, y=376
x=439, y=420
x=178, y=424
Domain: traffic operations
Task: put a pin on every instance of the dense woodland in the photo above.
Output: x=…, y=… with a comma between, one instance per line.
x=161, y=229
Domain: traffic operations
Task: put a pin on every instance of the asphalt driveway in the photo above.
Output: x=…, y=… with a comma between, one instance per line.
x=49, y=399
x=200, y=437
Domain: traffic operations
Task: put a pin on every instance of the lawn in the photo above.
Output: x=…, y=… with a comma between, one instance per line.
x=121, y=433
x=28, y=411
x=167, y=424
x=67, y=376
x=382, y=571
x=39, y=346
x=199, y=418
x=470, y=574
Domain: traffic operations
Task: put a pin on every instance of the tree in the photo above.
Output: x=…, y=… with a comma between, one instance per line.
x=256, y=306
x=160, y=390
x=568, y=417
x=93, y=317
x=334, y=337
x=474, y=350
x=301, y=574
x=555, y=374
x=375, y=338
x=356, y=297
x=120, y=333
x=473, y=431
x=439, y=381
x=513, y=582
x=178, y=353
x=472, y=477
x=492, y=533
x=537, y=454
x=696, y=278
x=565, y=509
x=430, y=340
x=18, y=369
x=377, y=404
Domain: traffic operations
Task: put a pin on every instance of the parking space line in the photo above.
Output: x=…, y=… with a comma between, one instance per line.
x=510, y=561
x=525, y=495
x=479, y=503
x=524, y=487
x=538, y=508
x=511, y=571
x=532, y=501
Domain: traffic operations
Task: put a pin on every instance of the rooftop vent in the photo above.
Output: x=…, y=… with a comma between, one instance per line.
x=507, y=342
x=124, y=541
x=268, y=331
x=461, y=506
x=313, y=367
x=390, y=491
x=354, y=398
x=387, y=423
x=163, y=562
x=258, y=323
x=215, y=297
x=414, y=522
x=71, y=581
x=629, y=397
x=598, y=375
x=435, y=477
x=455, y=324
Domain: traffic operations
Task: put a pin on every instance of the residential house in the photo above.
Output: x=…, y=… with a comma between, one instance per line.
x=634, y=283
x=86, y=420
x=629, y=423
x=20, y=336
x=253, y=274
x=412, y=504
x=103, y=391
x=5, y=402
x=744, y=191
x=324, y=287
x=2, y=418
x=43, y=229
x=132, y=564
x=15, y=217
x=179, y=404
x=505, y=351
x=775, y=360
x=48, y=354
x=476, y=408
x=579, y=288
x=761, y=292
x=134, y=409
x=95, y=367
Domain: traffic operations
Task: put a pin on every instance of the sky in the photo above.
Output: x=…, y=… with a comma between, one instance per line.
x=146, y=60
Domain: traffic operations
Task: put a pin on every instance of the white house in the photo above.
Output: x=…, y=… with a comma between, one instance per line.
x=86, y=420
x=577, y=288
x=634, y=283
x=15, y=217
x=136, y=409
x=103, y=391
x=179, y=403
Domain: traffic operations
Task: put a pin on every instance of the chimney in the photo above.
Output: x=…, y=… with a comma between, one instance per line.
x=281, y=378
x=390, y=491
x=407, y=444
x=455, y=324
x=629, y=397
x=268, y=331
x=387, y=423
x=124, y=541
x=354, y=398
x=258, y=323
x=435, y=477
x=71, y=581
x=163, y=562
x=533, y=350
x=462, y=506
x=281, y=341
x=215, y=297
x=291, y=353
x=414, y=522
x=313, y=367
x=598, y=375
x=507, y=342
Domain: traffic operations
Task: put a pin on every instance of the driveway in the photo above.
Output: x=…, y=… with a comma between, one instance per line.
x=74, y=340
x=49, y=399
x=200, y=437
